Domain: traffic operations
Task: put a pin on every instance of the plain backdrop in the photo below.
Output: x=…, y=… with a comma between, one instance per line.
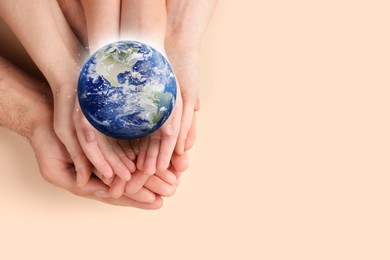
x=291, y=159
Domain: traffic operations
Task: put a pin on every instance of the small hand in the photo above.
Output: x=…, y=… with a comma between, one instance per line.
x=108, y=156
x=155, y=151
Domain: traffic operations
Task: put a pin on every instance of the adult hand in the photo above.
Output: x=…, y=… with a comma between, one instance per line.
x=25, y=107
x=186, y=24
x=57, y=167
x=60, y=62
x=49, y=40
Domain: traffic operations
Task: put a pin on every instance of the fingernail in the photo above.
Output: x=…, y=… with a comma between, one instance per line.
x=90, y=136
x=101, y=194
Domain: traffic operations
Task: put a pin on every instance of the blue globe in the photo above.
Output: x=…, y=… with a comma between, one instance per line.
x=127, y=90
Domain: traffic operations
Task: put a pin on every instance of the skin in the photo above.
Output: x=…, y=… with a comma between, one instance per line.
x=187, y=22
x=153, y=185
x=19, y=93
x=137, y=27
x=177, y=27
x=58, y=53
x=153, y=154
x=185, y=25
x=146, y=21
x=45, y=34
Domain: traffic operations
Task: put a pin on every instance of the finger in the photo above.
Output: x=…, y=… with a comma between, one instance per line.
x=160, y=187
x=144, y=21
x=191, y=134
x=149, y=167
x=167, y=176
x=186, y=122
x=82, y=165
x=102, y=18
x=107, y=181
x=86, y=135
x=66, y=133
x=61, y=173
x=177, y=173
x=135, y=145
x=144, y=195
x=74, y=14
x=138, y=179
x=112, y=158
x=117, y=187
x=96, y=190
x=129, y=164
x=143, y=148
x=197, y=105
x=115, y=145
x=127, y=149
x=180, y=162
x=126, y=201
x=170, y=131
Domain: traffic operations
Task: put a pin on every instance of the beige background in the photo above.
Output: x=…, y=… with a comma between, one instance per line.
x=291, y=160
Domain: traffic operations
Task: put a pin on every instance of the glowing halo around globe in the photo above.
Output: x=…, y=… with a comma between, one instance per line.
x=127, y=90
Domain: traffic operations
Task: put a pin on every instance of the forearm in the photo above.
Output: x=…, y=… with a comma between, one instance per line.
x=36, y=23
x=188, y=20
x=102, y=19
x=144, y=21
x=23, y=101
x=74, y=14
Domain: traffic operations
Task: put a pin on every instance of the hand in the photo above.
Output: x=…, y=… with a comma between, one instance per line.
x=57, y=167
x=67, y=91
x=155, y=151
x=49, y=40
x=187, y=22
x=102, y=19
x=185, y=62
x=107, y=155
x=26, y=107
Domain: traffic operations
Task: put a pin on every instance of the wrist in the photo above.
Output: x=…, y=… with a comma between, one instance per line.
x=40, y=103
x=39, y=117
x=24, y=101
x=182, y=42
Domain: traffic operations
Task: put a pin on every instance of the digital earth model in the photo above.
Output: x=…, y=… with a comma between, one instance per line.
x=127, y=90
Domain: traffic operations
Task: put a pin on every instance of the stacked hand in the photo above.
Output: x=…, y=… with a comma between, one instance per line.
x=58, y=36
